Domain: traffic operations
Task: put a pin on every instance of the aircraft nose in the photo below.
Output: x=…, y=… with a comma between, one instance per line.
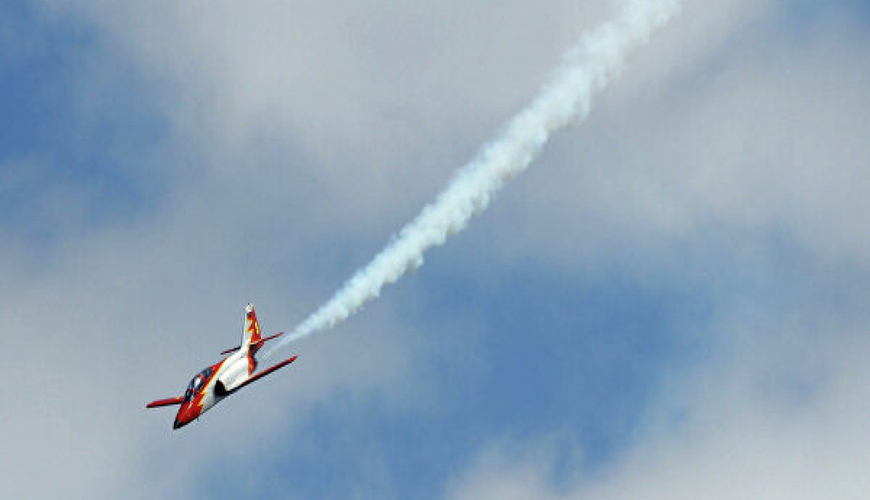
x=184, y=417
x=181, y=421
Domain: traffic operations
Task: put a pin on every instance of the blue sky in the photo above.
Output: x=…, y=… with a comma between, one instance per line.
x=670, y=303
x=46, y=64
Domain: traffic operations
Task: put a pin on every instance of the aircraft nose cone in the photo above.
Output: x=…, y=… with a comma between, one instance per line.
x=186, y=414
x=181, y=421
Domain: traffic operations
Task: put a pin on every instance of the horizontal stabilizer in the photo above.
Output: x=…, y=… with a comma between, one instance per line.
x=256, y=344
x=263, y=341
x=165, y=402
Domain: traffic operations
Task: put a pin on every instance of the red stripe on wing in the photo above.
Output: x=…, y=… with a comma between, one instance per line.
x=165, y=402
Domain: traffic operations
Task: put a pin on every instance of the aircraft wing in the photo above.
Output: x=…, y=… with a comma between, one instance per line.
x=165, y=402
x=265, y=372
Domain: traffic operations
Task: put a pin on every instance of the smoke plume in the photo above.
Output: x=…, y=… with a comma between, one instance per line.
x=586, y=69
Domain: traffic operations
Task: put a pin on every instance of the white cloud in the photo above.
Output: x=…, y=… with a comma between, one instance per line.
x=768, y=141
x=782, y=416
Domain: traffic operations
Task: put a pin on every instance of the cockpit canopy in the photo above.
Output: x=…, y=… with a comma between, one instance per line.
x=197, y=383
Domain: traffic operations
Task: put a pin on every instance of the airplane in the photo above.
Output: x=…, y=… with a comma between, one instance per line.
x=218, y=381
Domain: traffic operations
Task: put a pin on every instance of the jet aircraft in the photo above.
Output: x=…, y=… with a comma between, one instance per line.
x=218, y=381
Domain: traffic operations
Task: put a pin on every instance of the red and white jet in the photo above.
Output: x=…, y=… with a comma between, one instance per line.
x=222, y=379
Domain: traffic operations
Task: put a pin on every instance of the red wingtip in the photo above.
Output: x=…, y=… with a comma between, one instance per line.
x=165, y=402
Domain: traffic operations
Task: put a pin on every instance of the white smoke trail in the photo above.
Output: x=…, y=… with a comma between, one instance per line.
x=586, y=69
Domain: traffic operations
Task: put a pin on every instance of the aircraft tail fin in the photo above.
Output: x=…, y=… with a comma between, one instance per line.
x=251, y=332
x=252, y=339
